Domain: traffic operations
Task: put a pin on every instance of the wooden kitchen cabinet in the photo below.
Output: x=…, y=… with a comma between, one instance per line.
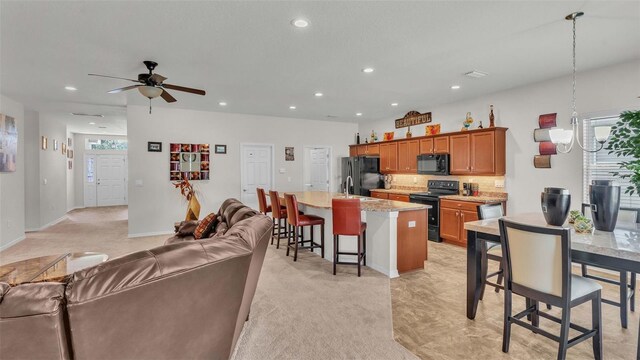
x=399, y=197
x=373, y=149
x=353, y=150
x=478, y=152
x=453, y=215
x=435, y=145
x=362, y=150
x=388, y=157
x=408, y=152
x=379, y=195
x=449, y=224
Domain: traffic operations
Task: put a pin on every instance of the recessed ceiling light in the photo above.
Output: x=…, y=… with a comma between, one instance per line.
x=318, y=94
x=394, y=104
x=455, y=87
x=300, y=23
x=292, y=107
x=222, y=103
x=92, y=123
x=358, y=114
x=367, y=70
x=70, y=88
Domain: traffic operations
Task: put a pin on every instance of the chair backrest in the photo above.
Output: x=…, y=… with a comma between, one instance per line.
x=629, y=215
x=275, y=204
x=490, y=211
x=537, y=260
x=346, y=216
x=292, y=209
x=262, y=200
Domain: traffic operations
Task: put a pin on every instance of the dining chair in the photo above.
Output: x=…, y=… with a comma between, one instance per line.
x=627, y=288
x=537, y=266
x=491, y=250
x=279, y=219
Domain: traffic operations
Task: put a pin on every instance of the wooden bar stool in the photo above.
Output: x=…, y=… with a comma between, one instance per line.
x=347, y=221
x=297, y=222
x=279, y=219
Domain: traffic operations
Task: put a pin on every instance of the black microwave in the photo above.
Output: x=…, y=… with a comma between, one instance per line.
x=433, y=164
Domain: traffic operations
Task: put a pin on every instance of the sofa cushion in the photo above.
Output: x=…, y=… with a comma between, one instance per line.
x=187, y=228
x=241, y=214
x=204, y=226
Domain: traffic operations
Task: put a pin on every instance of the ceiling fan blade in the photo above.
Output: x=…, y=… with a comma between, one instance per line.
x=118, y=90
x=185, y=89
x=167, y=97
x=115, y=77
x=157, y=78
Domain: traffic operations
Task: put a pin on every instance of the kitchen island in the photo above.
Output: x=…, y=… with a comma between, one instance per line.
x=396, y=231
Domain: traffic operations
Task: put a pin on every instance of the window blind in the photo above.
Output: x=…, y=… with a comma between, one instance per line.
x=600, y=165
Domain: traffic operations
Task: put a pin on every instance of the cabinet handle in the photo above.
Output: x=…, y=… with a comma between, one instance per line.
x=457, y=213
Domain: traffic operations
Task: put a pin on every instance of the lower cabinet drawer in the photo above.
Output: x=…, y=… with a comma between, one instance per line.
x=379, y=195
x=399, y=197
x=459, y=205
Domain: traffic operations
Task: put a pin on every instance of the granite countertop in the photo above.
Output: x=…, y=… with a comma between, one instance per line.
x=481, y=199
x=623, y=242
x=322, y=200
x=400, y=191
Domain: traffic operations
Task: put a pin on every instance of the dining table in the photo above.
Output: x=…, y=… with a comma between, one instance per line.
x=618, y=250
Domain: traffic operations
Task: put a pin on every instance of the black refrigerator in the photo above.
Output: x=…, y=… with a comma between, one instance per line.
x=365, y=171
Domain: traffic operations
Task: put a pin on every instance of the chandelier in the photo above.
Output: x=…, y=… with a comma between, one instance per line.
x=564, y=139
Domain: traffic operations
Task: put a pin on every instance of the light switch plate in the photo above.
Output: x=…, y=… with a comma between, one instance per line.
x=139, y=183
x=412, y=224
x=283, y=170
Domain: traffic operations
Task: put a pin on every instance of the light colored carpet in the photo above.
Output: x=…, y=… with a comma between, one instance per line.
x=302, y=311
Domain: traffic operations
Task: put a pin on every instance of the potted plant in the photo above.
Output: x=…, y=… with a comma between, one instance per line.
x=624, y=141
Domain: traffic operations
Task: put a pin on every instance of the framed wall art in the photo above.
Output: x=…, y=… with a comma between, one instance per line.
x=64, y=148
x=221, y=149
x=289, y=154
x=55, y=145
x=69, y=142
x=43, y=143
x=153, y=146
x=8, y=143
x=190, y=161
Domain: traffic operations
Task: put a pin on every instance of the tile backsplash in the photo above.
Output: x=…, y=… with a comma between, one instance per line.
x=485, y=183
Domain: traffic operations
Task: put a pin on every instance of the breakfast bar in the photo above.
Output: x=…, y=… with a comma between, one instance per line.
x=396, y=231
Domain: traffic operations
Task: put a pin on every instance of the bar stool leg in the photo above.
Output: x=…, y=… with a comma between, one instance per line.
x=364, y=247
x=359, y=252
x=289, y=233
x=295, y=254
x=273, y=230
x=335, y=252
x=322, y=240
x=312, y=242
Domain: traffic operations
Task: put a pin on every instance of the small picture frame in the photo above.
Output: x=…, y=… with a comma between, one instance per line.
x=220, y=149
x=55, y=145
x=44, y=143
x=69, y=142
x=153, y=146
x=70, y=164
x=64, y=148
x=289, y=154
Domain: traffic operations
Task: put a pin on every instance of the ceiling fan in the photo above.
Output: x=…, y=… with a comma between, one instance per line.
x=152, y=85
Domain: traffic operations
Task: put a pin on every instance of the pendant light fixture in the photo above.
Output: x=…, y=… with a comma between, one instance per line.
x=564, y=139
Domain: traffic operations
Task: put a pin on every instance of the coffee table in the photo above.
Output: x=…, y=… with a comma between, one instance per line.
x=49, y=268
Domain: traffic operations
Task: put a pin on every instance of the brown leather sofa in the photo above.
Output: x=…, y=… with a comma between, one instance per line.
x=184, y=300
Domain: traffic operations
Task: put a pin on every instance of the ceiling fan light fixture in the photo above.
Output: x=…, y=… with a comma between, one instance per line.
x=150, y=91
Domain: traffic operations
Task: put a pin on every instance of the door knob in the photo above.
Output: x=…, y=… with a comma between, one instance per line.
x=245, y=190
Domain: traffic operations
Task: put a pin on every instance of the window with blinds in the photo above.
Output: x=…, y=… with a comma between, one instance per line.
x=600, y=165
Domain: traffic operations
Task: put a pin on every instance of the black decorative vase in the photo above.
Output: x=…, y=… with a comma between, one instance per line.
x=555, y=203
x=604, y=197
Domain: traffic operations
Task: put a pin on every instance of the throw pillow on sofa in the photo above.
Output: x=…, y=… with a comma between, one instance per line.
x=204, y=227
x=187, y=228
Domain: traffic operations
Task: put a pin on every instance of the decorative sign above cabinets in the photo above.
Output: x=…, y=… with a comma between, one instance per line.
x=413, y=118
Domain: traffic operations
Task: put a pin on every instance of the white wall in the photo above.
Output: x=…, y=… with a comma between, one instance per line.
x=32, y=169
x=156, y=205
x=605, y=90
x=53, y=169
x=12, y=221
x=78, y=162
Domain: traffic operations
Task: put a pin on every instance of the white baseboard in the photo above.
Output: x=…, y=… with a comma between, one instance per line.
x=62, y=218
x=12, y=242
x=154, y=233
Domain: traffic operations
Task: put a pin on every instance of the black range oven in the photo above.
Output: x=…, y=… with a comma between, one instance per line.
x=436, y=189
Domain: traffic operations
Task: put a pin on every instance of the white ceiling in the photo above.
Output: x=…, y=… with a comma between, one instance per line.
x=249, y=55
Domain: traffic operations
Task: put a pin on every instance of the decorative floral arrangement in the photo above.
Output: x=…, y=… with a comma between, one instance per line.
x=186, y=189
x=583, y=225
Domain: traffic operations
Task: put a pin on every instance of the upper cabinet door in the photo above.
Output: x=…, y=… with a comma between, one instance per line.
x=483, y=153
x=460, y=160
x=384, y=158
x=393, y=156
x=388, y=157
x=362, y=150
x=373, y=149
x=403, y=156
x=413, y=152
x=426, y=146
x=353, y=150
x=441, y=145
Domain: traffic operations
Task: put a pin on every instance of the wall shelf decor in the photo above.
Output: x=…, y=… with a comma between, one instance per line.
x=190, y=161
x=545, y=147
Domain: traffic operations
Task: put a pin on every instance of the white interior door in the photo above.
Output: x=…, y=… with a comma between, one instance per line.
x=318, y=169
x=89, y=181
x=257, y=171
x=111, y=180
